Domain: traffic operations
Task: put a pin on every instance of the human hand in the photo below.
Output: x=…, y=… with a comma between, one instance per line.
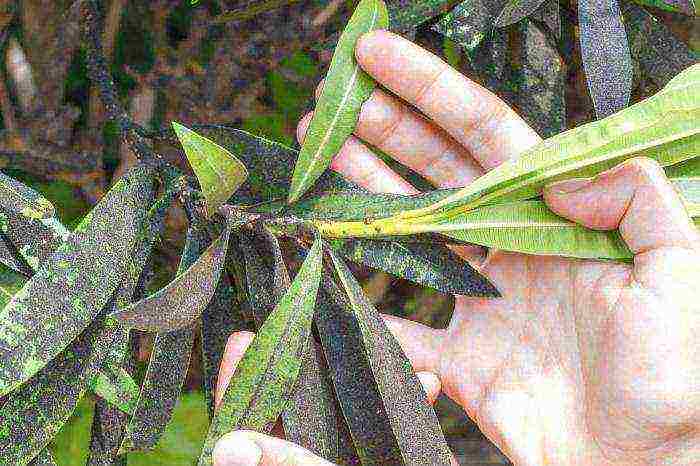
x=580, y=362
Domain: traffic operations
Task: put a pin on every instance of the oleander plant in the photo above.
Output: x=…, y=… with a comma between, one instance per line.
x=322, y=361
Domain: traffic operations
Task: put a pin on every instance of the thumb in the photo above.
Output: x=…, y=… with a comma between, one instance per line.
x=635, y=197
x=247, y=448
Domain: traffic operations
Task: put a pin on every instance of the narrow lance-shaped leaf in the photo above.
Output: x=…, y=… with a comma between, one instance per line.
x=45, y=458
x=116, y=387
x=184, y=299
x=420, y=441
x=263, y=381
x=166, y=370
x=311, y=418
x=660, y=54
x=219, y=172
x=470, y=22
x=605, y=54
x=18, y=197
x=74, y=284
x=688, y=7
x=406, y=15
x=10, y=283
x=345, y=89
x=548, y=13
x=515, y=10
x=663, y=127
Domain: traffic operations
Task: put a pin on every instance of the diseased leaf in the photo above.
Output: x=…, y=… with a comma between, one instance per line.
x=116, y=387
x=406, y=15
x=548, y=13
x=260, y=388
x=688, y=7
x=10, y=283
x=74, y=284
x=663, y=127
x=429, y=265
x=184, y=299
x=166, y=371
x=17, y=197
x=515, y=10
x=660, y=54
x=250, y=10
x=268, y=162
x=470, y=22
x=37, y=410
x=219, y=172
x=541, y=82
x=45, y=458
x=311, y=418
x=605, y=55
x=345, y=89
x=376, y=386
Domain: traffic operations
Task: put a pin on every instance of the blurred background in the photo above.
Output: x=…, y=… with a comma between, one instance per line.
x=258, y=74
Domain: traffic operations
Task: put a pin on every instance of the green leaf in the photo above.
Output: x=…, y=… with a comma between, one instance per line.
x=406, y=15
x=116, y=387
x=605, y=55
x=663, y=127
x=345, y=89
x=10, y=283
x=380, y=383
x=311, y=418
x=74, y=284
x=263, y=381
x=515, y=10
x=431, y=265
x=45, y=458
x=470, y=22
x=219, y=172
x=184, y=299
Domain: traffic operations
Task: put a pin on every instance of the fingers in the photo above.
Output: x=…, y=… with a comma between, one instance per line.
x=420, y=343
x=489, y=129
x=635, y=197
x=359, y=164
x=431, y=384
x=247, y=448
x=408, y=137
x=235, y=348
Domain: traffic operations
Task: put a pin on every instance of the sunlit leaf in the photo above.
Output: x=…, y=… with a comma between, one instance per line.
x=45, y=458
x=406, y=15
x=74, y=284
x=116, y=387
x=346, y=88
x=219, y=172
x=264, y=377
x=605, y=55
x=376, y=386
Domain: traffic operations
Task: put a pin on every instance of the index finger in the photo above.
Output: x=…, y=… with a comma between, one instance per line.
x=478, y=119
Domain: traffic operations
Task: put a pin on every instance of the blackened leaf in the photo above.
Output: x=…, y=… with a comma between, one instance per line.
x=660, y=54
x=16, y=196
x=269, y=164
x=220, y=319
x=540, y=77
x=108, y=424
x=115, y=386
x=688, y=7
x=260, y=388
x=515, y=10
x=605, y=54
x=434, y=266
x=167, y=369
x=346, y=87
x=74, y=284
x=406, y=15
x=36, y=411
x=184, y=299
x=377, y=381
x=548, y=13
x=45, y=458
x=311, y=418
x=219, y=172
x=470, y=22
x=10, y=283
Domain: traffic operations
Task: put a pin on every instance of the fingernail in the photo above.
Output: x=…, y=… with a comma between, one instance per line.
x=569, y=186
x=237, y=450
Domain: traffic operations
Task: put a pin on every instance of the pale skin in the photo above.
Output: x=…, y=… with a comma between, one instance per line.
x=580, y=362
